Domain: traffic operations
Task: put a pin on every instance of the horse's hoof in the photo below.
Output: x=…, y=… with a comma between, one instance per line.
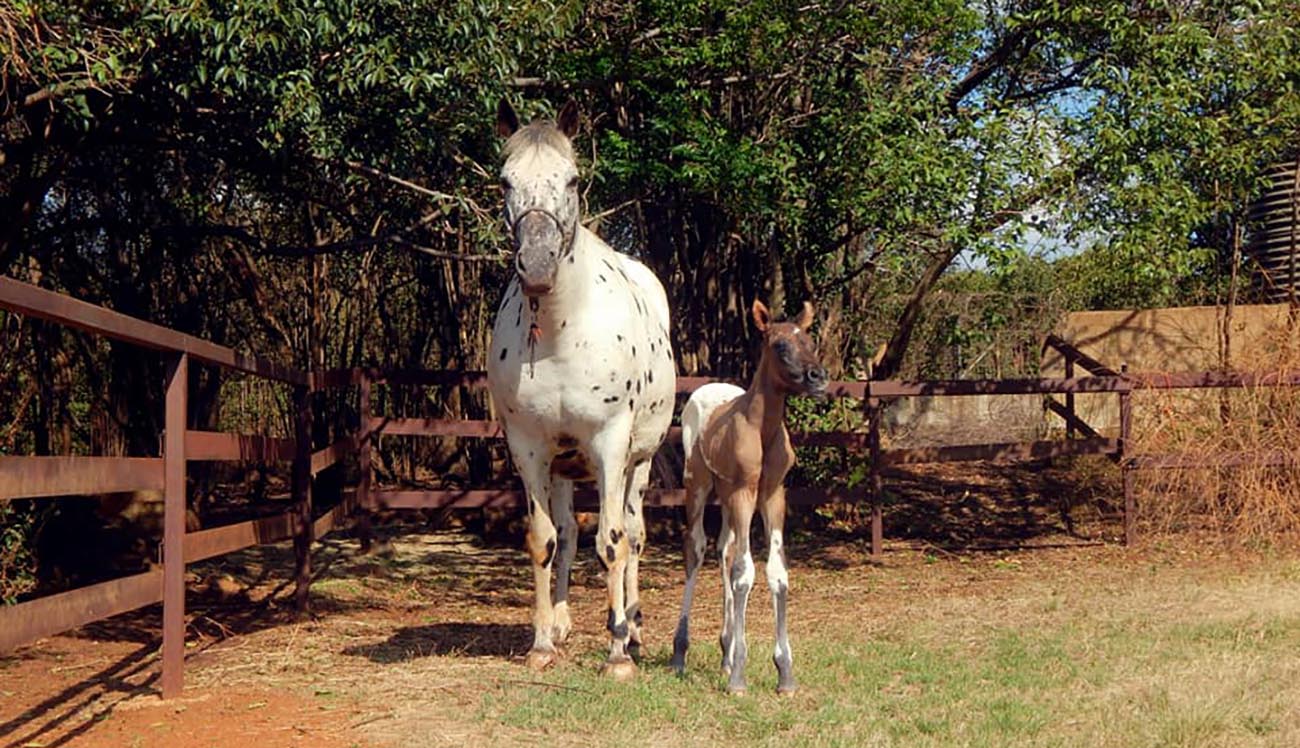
x=560, y=630
x=786, y=690
x=620, y=671
x=540, y=659
x=736, y=690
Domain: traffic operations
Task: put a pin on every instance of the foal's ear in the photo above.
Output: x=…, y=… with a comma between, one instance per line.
x=805, y=317
x=507, y=120
x=568, y=118
x=762, y=317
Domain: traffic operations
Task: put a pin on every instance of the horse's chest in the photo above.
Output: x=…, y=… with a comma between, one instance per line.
x=584, y=374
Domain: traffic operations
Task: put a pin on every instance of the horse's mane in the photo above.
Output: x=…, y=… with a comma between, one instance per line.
x=539, y=133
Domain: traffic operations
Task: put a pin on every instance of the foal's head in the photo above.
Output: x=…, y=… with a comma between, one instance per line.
x=540, y=180
x=792, y=352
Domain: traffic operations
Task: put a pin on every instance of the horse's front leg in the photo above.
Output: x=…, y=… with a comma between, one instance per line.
x=610, y=453
x=634, y=521
x=533, y=459
x=740, y=501
x=778, y=581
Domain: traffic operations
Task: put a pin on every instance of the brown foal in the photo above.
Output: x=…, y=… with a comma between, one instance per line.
x=737, y=446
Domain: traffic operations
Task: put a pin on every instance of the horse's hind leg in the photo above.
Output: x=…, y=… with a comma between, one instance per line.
x=565, y=550
x=634, y=522
x=726, y=554
x=698, y=485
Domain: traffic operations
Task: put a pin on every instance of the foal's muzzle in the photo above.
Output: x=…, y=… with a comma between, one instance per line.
x=539, y=241
x=815, y=381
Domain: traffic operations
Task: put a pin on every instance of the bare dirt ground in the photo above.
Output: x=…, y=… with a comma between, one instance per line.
x=406, y=646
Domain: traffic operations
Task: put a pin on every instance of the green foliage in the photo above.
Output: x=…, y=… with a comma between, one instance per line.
x=17, y=562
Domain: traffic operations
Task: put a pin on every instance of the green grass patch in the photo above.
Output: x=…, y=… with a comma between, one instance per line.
x=1131, y=680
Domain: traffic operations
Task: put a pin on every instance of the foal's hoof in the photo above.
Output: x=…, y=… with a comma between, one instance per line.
x=622, y=670
x=540, y=659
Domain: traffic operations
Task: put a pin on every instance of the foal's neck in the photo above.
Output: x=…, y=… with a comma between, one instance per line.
x=766, y=400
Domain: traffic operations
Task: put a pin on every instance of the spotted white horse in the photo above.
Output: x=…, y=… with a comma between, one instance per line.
x=582, y=374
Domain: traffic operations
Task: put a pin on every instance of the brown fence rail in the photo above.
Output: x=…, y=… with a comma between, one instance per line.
x=53, y=476
x=42, y=476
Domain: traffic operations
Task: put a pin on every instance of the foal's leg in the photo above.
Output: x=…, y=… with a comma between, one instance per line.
x=778, y=581
x=565, y=550
x=726, y=554
x=741, y=501
x=634, y=521
x=698, y=482
x=533, y=459
x=612, y=546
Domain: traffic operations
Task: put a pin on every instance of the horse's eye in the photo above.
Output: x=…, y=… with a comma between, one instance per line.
x=505, y=184
x=573, y=182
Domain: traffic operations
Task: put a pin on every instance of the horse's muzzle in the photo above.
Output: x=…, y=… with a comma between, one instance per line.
x=815, y=382
x=538, y=241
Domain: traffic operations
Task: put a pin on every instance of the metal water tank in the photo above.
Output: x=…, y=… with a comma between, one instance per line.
x=1274, y=238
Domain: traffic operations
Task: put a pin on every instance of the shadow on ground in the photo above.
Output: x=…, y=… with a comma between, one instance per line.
x=465, y=639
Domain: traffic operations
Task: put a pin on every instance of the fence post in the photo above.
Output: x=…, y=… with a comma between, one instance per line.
x=876, y=486
x=363, y=529
x=174, y=424
x=302, y=539
x=1069, y=396
x=1125, y=469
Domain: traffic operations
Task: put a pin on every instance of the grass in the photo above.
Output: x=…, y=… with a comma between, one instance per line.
x=1134, y=672
x=1179, y=643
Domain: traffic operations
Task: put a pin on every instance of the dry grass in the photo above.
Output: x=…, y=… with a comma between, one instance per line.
x=1249, y=503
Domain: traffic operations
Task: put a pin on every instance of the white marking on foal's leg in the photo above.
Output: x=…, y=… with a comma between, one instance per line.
x=778, y=581
x=742, y=581
x=726, y=541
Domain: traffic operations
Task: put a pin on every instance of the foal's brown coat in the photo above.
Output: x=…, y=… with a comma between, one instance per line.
x=743, y=452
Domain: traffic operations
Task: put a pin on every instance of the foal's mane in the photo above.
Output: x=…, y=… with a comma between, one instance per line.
x=539, y=133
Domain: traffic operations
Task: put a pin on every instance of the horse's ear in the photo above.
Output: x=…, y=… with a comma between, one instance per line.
x=805, y=317
x=568, y=118
x=762, y=317
x=507, y=120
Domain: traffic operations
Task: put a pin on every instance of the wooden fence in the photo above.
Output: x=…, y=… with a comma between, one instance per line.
x=44, y=476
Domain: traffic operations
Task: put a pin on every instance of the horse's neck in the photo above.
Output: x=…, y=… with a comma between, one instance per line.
x=765, y=406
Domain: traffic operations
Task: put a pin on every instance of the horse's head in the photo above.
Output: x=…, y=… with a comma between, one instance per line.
x=540, y=181
x=792, y=353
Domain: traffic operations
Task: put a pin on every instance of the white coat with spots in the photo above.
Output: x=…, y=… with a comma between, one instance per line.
x=582, y=375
